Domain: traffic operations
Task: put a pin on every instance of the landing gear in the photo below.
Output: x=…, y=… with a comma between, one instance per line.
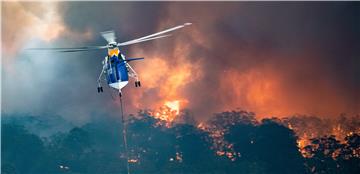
x=100, y=89
x=137, y=84
x=133, y=74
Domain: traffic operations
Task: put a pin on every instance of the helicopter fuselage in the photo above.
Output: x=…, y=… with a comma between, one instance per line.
x=116, y=71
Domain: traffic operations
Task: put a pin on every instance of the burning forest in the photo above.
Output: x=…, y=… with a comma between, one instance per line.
x=306, y=128
x=166, y=140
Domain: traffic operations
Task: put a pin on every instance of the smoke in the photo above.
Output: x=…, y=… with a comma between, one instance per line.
x=271, y=58
x=31, y=81
x=274, y=60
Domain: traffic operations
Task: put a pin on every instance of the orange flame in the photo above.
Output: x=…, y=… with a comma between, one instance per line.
x=174, y=106
x=165, y=78
x=168, y=112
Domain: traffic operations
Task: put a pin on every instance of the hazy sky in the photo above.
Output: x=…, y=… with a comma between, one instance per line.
x=272, y=58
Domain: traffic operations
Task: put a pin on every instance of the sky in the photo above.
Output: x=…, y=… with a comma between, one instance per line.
x=272, y=58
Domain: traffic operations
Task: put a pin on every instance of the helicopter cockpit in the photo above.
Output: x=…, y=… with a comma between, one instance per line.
x=113, y=52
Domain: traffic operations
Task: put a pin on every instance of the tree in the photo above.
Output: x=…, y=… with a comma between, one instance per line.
x=20, y=150
x=267, y=147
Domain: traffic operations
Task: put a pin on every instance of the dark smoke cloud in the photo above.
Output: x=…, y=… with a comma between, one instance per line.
x=273, y=58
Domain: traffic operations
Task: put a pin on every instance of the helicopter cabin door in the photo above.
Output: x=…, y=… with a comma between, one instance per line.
x=122, y=72
x=117, y=73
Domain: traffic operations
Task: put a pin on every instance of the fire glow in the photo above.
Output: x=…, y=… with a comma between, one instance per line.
x=168, y=112
x=308, y=131
x=183, y=72
x=174, y=106
x=264, y=89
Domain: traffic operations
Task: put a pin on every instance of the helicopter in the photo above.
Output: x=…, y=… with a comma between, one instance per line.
x=116, y=67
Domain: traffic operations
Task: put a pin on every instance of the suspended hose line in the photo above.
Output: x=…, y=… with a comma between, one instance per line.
x=124, y=135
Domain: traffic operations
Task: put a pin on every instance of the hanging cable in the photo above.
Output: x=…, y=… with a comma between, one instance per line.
x=124, y=135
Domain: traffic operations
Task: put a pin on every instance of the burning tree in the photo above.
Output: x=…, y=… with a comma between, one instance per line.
x=328, y=155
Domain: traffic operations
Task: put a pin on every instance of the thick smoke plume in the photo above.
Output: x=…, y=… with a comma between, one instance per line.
x=274, y=59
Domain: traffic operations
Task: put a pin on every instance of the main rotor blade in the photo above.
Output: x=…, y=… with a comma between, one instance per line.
x=69, y=49
x=109, y=36
x=134, y=42
x=132, y=59
x=153, y=35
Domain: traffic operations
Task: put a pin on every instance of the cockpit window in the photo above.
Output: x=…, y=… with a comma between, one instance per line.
x=113, y=52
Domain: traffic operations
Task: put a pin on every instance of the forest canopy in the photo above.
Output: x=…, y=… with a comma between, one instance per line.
x=232, y=142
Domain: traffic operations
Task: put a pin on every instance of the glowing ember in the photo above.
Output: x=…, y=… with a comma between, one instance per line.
x=132, y=160
x=201, y=126
x=179, y=157
x=222, y=147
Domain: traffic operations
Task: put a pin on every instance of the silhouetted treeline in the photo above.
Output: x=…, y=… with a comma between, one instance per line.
x=97, y=147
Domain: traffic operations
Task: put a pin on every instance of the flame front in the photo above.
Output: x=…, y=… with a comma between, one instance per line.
x=174, y=106
x=168, y=112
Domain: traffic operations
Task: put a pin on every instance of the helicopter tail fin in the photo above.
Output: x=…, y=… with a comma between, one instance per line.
x=132, y=59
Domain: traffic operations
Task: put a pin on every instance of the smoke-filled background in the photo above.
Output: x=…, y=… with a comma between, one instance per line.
x=275, y=59
x=271, y=58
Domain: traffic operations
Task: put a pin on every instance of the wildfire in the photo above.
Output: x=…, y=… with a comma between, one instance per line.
x=174, y=106
x=309, y=128
x=302, y=142
x=222, y=147
x=168, y=112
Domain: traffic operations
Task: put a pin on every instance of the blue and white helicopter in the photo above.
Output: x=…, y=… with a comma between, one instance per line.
x=116, y=68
